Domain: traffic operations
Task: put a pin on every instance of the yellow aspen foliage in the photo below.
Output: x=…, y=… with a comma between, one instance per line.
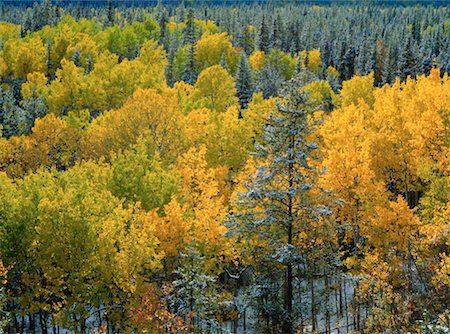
x=257, y=60
x=70, y=273
x=425, y=108
x=127, y=241
x=313, y=58
x=199, y=127
x=348, y=161
x=25, y=56
x=175, y=28
x=149, y=312
x=212, y=48
x=230, y=140
x=391, y=149
x=9, y=31
x=443, y=273
x=146, y=113
x=153, y=57
x=356, y=89
x=182, y=91
x=320, y=93
x=214, y=89
x=139, y=175
x=3, y=67
x=121, y=81
x=207, y=26
x=65, y=39
x=331, y=71
x=35, y=84
x=72, y=90
x=284, y=62
x=254, y=117
x=172, y=229
x=52, y=143
x=387, y=310
x=204, y=205
x=86, y=47
x=393, y=228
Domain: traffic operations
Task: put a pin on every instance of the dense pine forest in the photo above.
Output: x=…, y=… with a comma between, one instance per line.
x=214, y=167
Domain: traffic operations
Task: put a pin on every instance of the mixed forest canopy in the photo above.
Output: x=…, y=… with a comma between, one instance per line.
x=202, y=168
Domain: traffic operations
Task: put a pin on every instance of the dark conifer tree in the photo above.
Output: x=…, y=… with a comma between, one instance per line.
x=163, y=31
x=168, y=71
x=277, y=203
x=244, y=82
x=89, y=64
x=348, y=64
x=110, y=13
x=190, y=72
x=189, y=29
x=76, y=57
x=407, y=62
x=263, y=38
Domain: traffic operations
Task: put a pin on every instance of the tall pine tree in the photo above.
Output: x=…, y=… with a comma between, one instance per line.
x=263, y=38
x=244, y=82
x=280, y=199
x=190, y=72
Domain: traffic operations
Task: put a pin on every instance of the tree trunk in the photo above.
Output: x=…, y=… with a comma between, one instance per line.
x=313, y=305
x=327, y=305
x=287, y=324
x=287, y=327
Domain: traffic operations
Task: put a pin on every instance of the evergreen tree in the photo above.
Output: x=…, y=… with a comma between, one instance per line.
x=50, y=64
x=247, y=40
x=190, y=73
x=278, y=202
x=89, y=64
x=163, y=31
x=168, y=71
x=270, y=80
x=15, y=121
x=189, y=29
x=325, y=55
x=263, y=40
x=223, y=62
x=407, y=62
x=76, y=57
x=195, y=291
x=388, y=66
x=277, y=33
x=348, y=64
x=244, y=82
x=110, y=13
x=35, y=107
x=426, y=65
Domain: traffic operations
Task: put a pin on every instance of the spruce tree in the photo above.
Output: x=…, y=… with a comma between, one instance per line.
x=277, y=33
x=244, y=82
x=15, y=121
x=348, y=64
x=280, y=201
x=110, y=14
x=195, y=290
x=247, y=41
x=263, y=40
x=407, y=62
x=76, y=57
x=190, y=72
x=163, y=31
x=189, y=29
x=168, y=71
x=50, y=64
x=89, y=64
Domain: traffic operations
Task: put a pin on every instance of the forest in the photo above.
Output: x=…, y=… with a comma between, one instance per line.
x=263, y=167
